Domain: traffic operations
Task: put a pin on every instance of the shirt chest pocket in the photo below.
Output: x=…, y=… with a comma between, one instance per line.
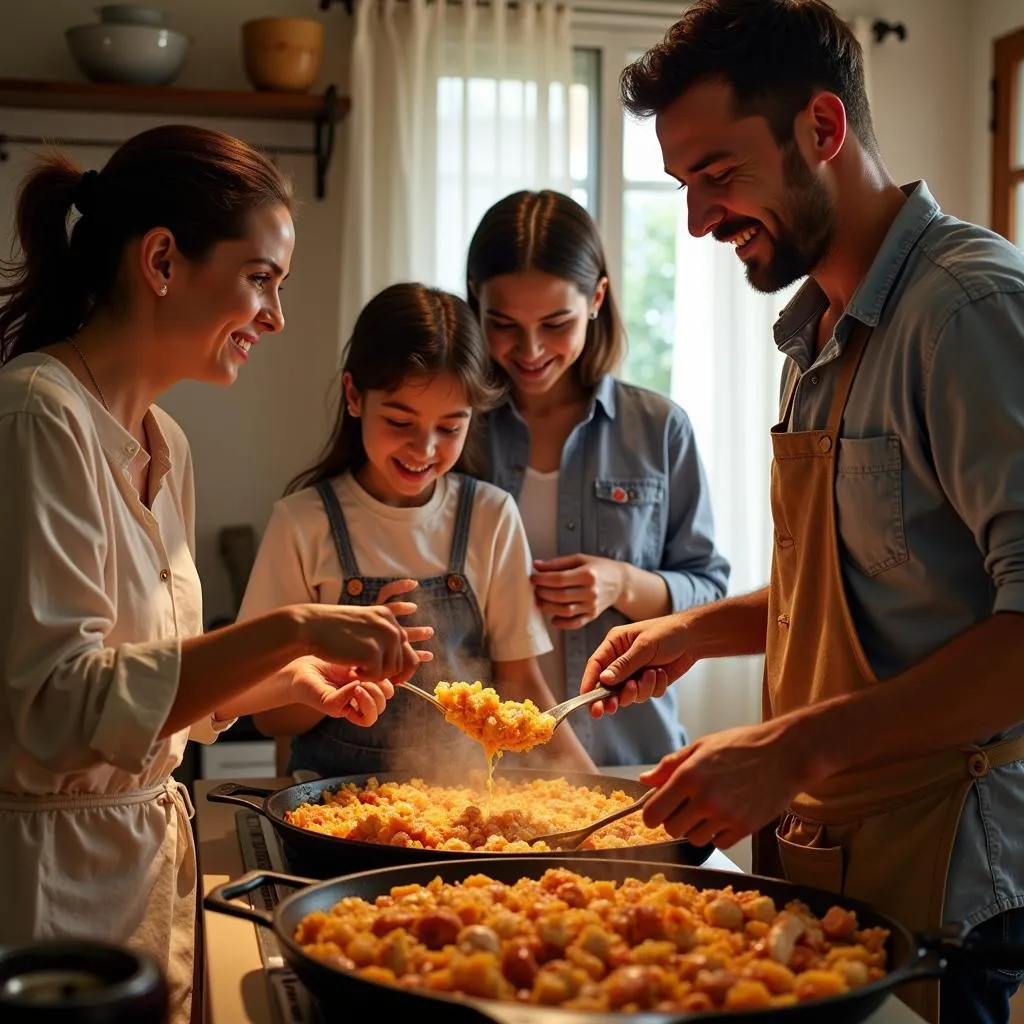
x=869, y=503
x=629, y=519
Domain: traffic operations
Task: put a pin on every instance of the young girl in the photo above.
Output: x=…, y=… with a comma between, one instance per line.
x=381, y=514
x=607, y=475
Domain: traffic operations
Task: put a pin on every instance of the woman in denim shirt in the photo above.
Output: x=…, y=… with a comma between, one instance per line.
x=607, y=475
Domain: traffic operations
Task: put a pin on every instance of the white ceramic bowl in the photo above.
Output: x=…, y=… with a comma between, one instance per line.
x=130, y=14
x=133, y=54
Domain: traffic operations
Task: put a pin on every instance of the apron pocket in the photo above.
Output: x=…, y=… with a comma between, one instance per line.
x=821, y=867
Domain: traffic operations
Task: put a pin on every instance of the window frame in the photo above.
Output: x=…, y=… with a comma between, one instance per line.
x=614, y=43
x=1008, y=122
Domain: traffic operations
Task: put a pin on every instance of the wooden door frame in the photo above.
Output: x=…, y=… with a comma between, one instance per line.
x=1008, y=55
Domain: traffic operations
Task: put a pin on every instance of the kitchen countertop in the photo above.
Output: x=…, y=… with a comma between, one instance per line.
x=235, y=983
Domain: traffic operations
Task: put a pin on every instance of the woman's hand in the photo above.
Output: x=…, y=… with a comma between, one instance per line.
x=575, y=589
x=333, y=691
x=370, y=642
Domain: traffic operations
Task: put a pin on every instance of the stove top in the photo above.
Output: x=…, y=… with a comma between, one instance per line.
x=261, y=850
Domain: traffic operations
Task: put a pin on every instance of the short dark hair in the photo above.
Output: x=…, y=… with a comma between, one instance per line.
x=550, y=232
x=408, y=331
x=775, y=54
x=201, y=185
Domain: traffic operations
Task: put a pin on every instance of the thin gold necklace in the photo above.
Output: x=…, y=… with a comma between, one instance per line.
x=88, y=370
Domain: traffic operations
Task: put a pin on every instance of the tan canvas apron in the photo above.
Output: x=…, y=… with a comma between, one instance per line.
x=883, y=834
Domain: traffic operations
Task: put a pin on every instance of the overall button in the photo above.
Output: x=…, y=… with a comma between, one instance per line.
x=825, y=443
x=165, y=575
x=571, y=525
x=977, y=764
x=354, y=587
x=456, y=583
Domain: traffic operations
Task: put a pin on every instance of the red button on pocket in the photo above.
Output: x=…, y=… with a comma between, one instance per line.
x=619, y=494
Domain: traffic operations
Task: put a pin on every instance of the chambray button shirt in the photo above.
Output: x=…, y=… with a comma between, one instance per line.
x=631, y=487
x=930, y=485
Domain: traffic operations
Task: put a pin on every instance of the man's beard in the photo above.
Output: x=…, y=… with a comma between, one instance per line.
x=804, y=234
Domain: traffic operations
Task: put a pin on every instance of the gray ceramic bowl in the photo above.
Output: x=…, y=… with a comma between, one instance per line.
x=132, y=54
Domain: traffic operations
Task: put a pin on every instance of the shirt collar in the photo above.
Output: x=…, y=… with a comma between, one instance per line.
x=119, y=446
x=868, y=302
x=604, y=396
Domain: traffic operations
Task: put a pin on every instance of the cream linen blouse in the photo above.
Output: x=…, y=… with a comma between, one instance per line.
x=97, y=592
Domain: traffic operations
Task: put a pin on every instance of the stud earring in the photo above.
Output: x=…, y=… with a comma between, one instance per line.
x=593, y=314
x=162, y=290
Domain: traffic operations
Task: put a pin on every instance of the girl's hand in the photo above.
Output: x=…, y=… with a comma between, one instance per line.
x=395, y=589
x=575, y=589
x=333, y=691
x=368, y=641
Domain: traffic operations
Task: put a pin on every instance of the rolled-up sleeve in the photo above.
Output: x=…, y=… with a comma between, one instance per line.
x=693, y=569
x=975, y=412
x=71, y=700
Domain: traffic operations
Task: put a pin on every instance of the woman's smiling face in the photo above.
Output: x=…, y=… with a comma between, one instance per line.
x=536, y=326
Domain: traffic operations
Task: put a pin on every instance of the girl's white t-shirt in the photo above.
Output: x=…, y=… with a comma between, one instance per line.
x=297, y=561
x=538, y=505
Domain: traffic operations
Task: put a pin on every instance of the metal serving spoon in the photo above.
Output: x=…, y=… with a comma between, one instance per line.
x=559, y=712
x=573, y=839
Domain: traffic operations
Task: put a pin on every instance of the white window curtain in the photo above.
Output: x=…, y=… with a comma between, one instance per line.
x=726, y=375
x=454, y=105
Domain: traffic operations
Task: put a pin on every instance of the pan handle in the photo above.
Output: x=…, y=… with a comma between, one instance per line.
x=953, y=947
x=254, y=797
x=220, y=899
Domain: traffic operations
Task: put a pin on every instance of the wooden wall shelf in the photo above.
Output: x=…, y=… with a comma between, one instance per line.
x=324, y=112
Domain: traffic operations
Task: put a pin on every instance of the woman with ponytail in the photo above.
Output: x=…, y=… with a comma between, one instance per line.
x=164, y=266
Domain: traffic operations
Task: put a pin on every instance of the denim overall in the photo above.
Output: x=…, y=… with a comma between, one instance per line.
x=410, y=736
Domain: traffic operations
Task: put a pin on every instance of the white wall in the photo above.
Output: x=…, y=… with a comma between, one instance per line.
x=920, y=92
x=991, y=19
x=248, y=440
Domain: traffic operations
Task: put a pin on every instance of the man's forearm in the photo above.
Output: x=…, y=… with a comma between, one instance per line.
x=963, y=693
x=730, y=627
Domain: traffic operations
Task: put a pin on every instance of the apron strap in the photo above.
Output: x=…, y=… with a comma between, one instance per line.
x=346, y=556
x=463, y=515
x=851, y=357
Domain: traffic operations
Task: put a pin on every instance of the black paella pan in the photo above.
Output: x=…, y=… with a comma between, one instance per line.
x=910, y=957
x=322, y=856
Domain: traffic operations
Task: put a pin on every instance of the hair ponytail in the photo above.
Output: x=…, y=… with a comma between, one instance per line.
x=46, y=299
x=200, y=185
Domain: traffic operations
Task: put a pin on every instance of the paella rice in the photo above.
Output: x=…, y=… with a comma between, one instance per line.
x=569, y=941
x=464, y=818
x=495, y=724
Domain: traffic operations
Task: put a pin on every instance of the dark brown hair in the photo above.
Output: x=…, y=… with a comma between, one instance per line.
x=407, y=330
x=199, y=184
x=775, y=54
x=552, y=233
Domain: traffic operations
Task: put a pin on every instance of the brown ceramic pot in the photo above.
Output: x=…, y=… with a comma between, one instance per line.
x=282, y=54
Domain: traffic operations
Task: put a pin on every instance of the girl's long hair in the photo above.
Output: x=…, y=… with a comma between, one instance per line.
x=552, y=233
x=407, y=331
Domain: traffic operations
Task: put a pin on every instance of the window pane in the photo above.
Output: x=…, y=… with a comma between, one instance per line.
x=649, y=282
x=641, y=152
x=1018, y=126
x=584, y=122
x=1017, y=221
